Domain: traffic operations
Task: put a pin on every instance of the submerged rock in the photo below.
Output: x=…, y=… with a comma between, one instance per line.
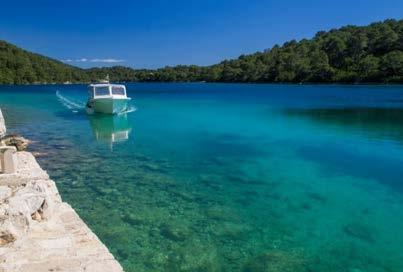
x=211, y=182
x=277, y=261
x=177, y=233
x=183, y=195
x=221, y=213
x=317, y=197
x=355, y=270
x=152, y=167
x=234, y=231
x=359, y=231
x=132, y=219
x=242, y=180
x=194, y=257
x=18, y=141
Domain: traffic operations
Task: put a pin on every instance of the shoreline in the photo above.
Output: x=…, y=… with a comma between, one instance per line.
x=40, y=232
x=219, y=83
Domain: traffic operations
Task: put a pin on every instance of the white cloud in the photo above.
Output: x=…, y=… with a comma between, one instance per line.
x=107, y=60
x=97, y=60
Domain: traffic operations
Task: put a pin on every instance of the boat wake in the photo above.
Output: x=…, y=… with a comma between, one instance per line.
x=73, y=105
x=128, y=110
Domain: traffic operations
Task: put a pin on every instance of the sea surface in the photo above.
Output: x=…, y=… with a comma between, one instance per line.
x=227, y=177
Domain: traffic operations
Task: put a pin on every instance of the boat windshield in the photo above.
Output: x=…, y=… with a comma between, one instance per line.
x=118, y=90
x=101, y=91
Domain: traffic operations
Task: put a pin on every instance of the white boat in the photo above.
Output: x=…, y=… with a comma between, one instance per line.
x=107, y=98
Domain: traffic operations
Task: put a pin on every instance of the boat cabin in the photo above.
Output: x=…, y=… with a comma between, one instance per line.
x=106, y=91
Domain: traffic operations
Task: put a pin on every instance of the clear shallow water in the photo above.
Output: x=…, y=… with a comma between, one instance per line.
x=216, y=177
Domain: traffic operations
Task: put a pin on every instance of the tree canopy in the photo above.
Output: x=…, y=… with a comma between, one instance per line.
x=351, y=54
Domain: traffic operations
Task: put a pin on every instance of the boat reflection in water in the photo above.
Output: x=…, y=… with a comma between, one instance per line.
x=110, y=128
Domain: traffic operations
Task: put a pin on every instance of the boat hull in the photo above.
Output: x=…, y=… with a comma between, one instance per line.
x=108, y=105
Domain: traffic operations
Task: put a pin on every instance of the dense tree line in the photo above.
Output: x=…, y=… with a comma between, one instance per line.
x=351, y=54
x=18, y=66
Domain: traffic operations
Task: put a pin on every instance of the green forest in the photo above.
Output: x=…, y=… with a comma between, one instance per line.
x=351, y=54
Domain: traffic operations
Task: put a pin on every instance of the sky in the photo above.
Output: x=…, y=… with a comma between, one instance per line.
x=157, y=33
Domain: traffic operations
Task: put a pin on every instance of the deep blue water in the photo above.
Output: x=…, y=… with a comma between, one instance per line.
x=227, y=177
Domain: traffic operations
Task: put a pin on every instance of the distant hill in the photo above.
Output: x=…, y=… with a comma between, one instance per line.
x=18, y=66
x=351, y=54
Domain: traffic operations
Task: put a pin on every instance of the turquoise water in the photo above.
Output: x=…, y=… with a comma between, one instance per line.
x=225, y=177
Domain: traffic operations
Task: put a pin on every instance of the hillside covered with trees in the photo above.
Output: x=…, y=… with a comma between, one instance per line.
x=18, y=66
x=351, y=54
